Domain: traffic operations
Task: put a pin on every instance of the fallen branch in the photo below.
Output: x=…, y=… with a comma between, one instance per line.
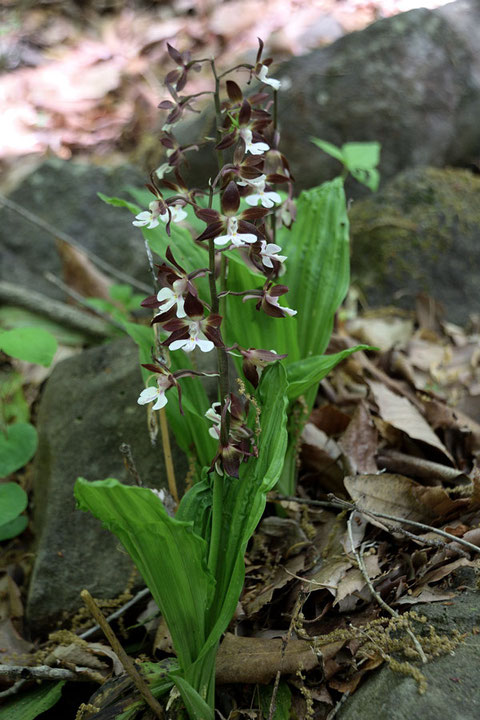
x=375, y=594
x=55, y=232
x=345, y=505
x=118, y=613
x=60, y=312
x=139, y=682
x=40, y=672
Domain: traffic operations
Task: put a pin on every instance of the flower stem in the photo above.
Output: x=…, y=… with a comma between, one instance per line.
x=217, y=515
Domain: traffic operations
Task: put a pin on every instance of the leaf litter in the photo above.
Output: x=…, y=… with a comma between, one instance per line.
x=394, y=448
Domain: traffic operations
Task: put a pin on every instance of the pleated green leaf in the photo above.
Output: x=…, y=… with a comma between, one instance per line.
x=318, y=267
x=33, y=703
x=304, y=374
x=244, y=499
x=168, y=554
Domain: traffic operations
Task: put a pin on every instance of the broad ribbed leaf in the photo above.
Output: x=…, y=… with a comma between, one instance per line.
x=33, y=703
x=304, y=374
x=244, y=499
x=168, y=554
x=318, y=266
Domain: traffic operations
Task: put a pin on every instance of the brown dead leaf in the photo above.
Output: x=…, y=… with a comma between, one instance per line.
x=424, y=595
x=359, y=442
x=382, y=332
x=441, y=572
x=257, y=660
x=398, y=462
x=398, y=495
x=386, y=493
x=399, y=412
x=329, y=575
x=80, y=274
x=10, y=598
x=14, y=650
x=351, y=684
x=282, y=576
x=330, y=419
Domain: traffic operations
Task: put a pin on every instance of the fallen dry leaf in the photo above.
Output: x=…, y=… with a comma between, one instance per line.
x=386, y=493
x=399, y=412
x=359, y=442
x=80, y=274
x=382, y=332
x=257, y=660
x=281, y=577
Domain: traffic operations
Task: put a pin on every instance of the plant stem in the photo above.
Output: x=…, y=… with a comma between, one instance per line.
x=167, y=453
x=217, y=513
x=139, y=681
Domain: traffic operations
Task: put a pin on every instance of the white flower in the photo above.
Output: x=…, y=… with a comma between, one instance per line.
x=268, y=254
x=151, y=218
x=196, y=339
x=148, y=218
x=177, y=212
x=273, y=300
x=213, y=415
x=156, y=393
x=169, y=297
x=238, y=239
x=254, y=148
x=262, y=76
x=267, y=199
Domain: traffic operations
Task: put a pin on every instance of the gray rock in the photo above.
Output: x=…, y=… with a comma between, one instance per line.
x=453, y=689
x=65, y=195
x=87, y=410
x=421, y=233
x=411, y=82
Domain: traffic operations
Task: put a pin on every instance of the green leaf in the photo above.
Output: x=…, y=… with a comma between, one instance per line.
x=33, y=703
x=370, y=178
x=13, y=528
x=13, y=501
x=17, y=446
x=121, y=293
x=361, y=155
x=31, y=344
x=168, y=554
x=318, y=266
x=120, y=202
x=244, y=499
x=303, y=374
x=330, y=149
x=283, y=701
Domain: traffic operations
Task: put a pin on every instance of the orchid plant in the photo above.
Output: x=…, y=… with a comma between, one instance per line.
x=222, y=246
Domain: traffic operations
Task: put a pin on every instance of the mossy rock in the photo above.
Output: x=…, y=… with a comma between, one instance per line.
x=421, y=233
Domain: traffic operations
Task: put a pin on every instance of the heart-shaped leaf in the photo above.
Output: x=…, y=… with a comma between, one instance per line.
x=13, y=501
x=18, y=444
x=31, y=344
x=14, y=528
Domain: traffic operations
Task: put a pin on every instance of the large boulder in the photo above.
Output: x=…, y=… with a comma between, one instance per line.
x=421, y=233
x=411, y=82
x=88, y=409
x=452, y=680
x=64, y=194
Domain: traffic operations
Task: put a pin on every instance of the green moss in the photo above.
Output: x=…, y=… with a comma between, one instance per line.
x=401, y=236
